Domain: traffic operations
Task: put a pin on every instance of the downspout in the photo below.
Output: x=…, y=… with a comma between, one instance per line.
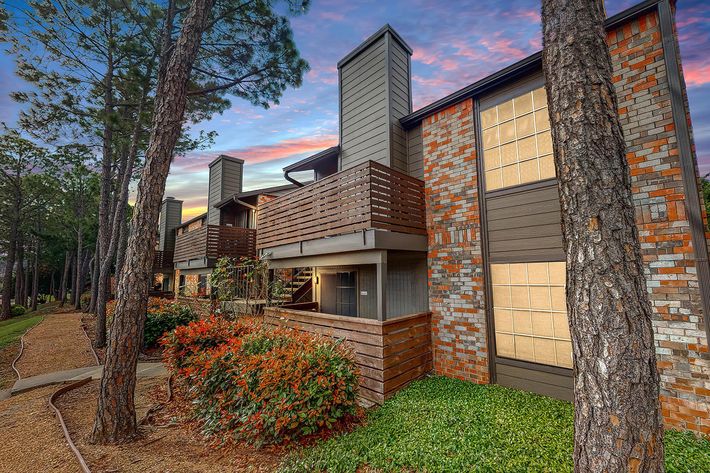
x=292, y=180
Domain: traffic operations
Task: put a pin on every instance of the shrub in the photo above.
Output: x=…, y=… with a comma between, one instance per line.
x=262, y=385
x=17, y=310
x=163, y=315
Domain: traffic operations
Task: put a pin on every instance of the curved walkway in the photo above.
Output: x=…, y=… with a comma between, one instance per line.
x=58, y=343
x=145, y=370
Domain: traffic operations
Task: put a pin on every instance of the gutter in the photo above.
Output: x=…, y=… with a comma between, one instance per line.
x=676, y=85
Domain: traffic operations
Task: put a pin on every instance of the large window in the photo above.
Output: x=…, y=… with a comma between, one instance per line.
x=346, y=294
x=517, y=144
x=530, y=313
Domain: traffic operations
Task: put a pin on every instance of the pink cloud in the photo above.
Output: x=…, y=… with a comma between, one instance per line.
x=504, y=47
x=258, y=154
x=696, y=74
x=333, y=16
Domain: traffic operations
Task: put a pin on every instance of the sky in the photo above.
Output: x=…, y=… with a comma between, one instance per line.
x=454, y=43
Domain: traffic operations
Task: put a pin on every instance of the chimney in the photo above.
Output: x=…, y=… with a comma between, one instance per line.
x=375, y=92
x=225, y=181
x=170, y=217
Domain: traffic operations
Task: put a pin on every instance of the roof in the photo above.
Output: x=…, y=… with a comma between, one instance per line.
x=307, y=164
x=265, y=190
x=514, y=71
x=378, y=34
x=193, y=219
x=224, y=157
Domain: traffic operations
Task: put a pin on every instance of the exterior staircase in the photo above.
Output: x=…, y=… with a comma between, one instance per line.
x=299, y=288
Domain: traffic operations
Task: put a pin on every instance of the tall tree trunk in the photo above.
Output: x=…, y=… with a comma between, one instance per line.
x=115, y=415
x=94, y=280
x=121, y=252
x=20, y=294
x=79, y=266
x=35, y=277
x=74, y=278
x=7, y=286
x=117, y=220
x=65, y=278
x=52, y=287
x=618, y=423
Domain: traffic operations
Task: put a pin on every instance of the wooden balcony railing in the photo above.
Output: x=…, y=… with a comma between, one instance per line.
x=162, y=260
x=367, y=196
x=215, y=241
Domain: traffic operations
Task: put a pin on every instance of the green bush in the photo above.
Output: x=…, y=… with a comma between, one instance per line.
x=165, y=318
x=17, y=310
x=262, y=385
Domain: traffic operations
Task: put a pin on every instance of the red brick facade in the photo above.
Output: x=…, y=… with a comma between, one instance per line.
x=664, y=230
x=456, y=290
x=457, y=295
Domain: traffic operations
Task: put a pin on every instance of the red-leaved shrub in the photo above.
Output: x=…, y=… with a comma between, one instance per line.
x=260, y=384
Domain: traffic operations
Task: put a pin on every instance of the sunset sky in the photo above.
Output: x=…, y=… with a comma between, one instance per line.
x=455, y=43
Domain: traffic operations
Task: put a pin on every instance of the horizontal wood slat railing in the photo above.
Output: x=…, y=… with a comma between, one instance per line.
x=388, y=354
x=367, y=196
x=215, y=241
x=162, y=260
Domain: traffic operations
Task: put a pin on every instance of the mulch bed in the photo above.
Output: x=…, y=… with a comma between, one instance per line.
x=7, y=355
x=31, y=437
x=170, y=442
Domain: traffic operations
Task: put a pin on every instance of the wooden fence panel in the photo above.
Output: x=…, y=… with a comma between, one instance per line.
x=388, y=354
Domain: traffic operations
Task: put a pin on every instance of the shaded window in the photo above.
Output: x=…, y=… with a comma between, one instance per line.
x=346, y=293
x=530, y=313
x=517, y=143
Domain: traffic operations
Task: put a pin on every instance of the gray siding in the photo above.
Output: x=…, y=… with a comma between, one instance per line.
x=407, y=289
x=225, y=179
x=374, y=95
x=559, y=386
x=363, y=112
x=170, y=217
x=400, y=102
x=525, y=226
x=415, y=155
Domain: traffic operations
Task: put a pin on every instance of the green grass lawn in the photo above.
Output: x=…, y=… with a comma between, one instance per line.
x=445, y=425
x=12, y=329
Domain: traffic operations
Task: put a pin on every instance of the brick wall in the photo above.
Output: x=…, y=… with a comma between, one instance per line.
x=664, y=230
x=455, y=265
x=456, y=291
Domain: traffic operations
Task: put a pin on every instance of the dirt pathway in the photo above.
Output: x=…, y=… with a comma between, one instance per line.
x=57, y=343
x=32, y=439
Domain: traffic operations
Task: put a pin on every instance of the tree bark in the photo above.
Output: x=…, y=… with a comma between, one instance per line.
x=7, y=286
x=79, y=267
x=35, y=277
x=20, y=294
x=65, y=278
x=117, y=220
x=115, y=416
x=618, y=424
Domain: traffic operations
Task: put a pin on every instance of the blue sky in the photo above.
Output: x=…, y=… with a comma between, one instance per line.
x=454, y=45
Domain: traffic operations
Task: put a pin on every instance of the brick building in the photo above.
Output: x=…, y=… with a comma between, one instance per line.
x=461, y=195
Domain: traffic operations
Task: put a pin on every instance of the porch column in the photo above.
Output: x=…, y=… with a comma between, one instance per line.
x=382, y=289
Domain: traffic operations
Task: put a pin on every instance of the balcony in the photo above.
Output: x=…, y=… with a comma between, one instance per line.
x=370, y=196
x=208, y=243
x=162, y=261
